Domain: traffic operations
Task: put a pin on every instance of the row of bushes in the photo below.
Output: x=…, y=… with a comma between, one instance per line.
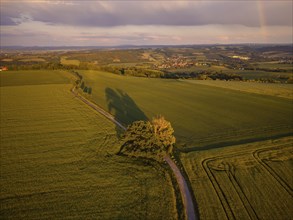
x=81, y=84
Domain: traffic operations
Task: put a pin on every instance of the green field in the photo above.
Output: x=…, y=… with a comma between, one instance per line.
x=251, y=181
x=275, y=65
x=272, y=89
x=33, y=77
x=33, y=59
x=58, y=156
x=58, y=159
x=257, y=74
x=202, y=116
x=65, y=61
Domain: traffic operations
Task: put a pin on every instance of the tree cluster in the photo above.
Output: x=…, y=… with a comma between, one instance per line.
x=202, y=75
x=79, y=83
x=34, y=66
x=133, y=71
x=148, y=139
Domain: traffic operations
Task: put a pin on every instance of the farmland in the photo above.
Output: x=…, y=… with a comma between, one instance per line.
x=233, y=138
x=264, y=63
x=202, y=116
x=20, y=78
x=272, y=89
x=58, y=158
x=250, y=181
x=232, y=182
x=64, y=61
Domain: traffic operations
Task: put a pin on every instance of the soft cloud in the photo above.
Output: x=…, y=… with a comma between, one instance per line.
x=173, y=13
x=86, y=23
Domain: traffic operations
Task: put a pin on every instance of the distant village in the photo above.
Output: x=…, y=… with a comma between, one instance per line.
x=3, y=68
x=179, y=62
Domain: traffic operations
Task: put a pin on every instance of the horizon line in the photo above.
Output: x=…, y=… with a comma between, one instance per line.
x=144, y=45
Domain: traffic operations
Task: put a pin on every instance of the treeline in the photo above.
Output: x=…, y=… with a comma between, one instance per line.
x=15, y=65
x=143, y=72
x=80, y=84
x=276, y=70
x=33, y=65
x=140, y=72
x=202, y=75
x=133, y=71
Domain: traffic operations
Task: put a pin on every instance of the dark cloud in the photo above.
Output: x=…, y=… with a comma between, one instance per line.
x=175, y=13
x=7, y=14
x=5, y=20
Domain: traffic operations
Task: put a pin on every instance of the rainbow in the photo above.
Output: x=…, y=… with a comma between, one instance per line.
x=262, y=19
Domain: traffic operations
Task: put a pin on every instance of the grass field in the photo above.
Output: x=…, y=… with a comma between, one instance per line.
x=256, y=74
x=58, y=156
x=202, y=116
x=246, y=74
x=251, y=181
x=64, y=61
x=36, y=59
x=33, y=77
x=275, y=65
x=58, y=159
x=272, y=89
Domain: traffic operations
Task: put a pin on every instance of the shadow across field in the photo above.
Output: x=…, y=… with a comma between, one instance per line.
x=123, y=107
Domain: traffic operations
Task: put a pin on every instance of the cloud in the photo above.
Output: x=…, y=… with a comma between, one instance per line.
x=39, y=22
x=170, y=13
x=6, y=20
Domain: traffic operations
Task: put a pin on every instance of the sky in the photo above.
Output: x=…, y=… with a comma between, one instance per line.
x=149, y=22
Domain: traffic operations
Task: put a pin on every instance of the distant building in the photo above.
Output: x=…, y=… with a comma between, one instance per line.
x=3, y=68
x=240, y=57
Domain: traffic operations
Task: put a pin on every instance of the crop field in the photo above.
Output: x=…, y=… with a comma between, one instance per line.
x=200, y=68
x=66, y=61
x=202, y=116
x=58, y=160
x=251, y=181
x=255, y=74
x=33, y=77
x=275, y=65
x=36, y=59
x=272, y=89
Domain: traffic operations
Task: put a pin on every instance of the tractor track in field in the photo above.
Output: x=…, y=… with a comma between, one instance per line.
x=243, y=198
x=184, y=189
x=269, y=169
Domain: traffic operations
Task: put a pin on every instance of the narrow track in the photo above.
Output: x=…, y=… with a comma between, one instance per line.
x=184, y=190
x=98, y=109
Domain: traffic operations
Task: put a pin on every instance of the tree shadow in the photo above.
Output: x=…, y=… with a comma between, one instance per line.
x=123, y=107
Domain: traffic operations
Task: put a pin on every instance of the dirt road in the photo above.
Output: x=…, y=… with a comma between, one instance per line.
x=184, y=190
x=98, y=109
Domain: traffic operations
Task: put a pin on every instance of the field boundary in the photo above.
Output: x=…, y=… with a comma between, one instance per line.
x=184, y=190
x=233, y=143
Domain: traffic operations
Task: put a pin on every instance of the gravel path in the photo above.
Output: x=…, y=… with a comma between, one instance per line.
x=98, y=109
x=184, y=190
